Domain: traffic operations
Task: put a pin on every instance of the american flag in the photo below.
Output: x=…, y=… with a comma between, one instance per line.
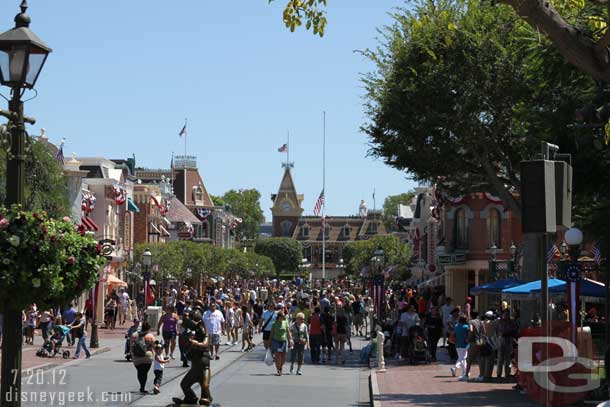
x=183, y=131
x=597, y=253
x=551, y=253
x=319, y=203
x=283, y=149
x=60, y=154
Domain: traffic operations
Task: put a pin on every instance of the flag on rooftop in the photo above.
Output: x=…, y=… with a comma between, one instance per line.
x=283, y=149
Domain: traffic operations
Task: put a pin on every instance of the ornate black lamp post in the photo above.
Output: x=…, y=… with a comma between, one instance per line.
x=146, y=262
x=377, y=262
x=22, y=56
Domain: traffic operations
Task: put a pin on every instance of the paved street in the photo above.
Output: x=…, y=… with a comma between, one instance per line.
x=239, y=378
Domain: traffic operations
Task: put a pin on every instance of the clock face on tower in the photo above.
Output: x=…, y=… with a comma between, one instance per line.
x=286, y=207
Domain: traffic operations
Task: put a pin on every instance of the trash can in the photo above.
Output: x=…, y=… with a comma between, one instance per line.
x=153, y=315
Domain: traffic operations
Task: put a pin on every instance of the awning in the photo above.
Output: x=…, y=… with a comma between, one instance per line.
x=167, y=221
x=89, y=223
x=113, y=280
x=495, y=286
x=528, y=290
x=131, y=205
x=154, y=228
x=164, y=231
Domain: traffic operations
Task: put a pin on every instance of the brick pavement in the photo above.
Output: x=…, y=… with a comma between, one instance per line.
x=29, y=360
x=433, y=385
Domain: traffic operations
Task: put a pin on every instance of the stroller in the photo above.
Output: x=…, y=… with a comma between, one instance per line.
x=54, y=345
x=418, y=346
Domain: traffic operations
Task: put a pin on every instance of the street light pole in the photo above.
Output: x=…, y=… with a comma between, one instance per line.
x=23, y=55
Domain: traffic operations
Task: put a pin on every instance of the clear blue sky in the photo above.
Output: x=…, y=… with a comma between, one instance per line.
x=125, y=74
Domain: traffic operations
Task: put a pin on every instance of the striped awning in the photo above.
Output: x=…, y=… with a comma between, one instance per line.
x=89, y=223
x=131, y=205
x=154, y=229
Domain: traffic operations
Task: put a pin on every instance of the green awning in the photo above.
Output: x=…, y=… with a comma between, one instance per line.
x=131, y=205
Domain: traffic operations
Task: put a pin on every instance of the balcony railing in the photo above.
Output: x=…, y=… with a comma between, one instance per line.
x=451, y=258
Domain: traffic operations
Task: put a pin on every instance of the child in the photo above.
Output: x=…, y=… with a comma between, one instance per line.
x=158, y=363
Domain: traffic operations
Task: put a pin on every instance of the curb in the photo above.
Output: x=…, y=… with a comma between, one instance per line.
x=48, y=366
x=374, y=389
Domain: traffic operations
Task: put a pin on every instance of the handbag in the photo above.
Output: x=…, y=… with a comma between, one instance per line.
x=268, y=358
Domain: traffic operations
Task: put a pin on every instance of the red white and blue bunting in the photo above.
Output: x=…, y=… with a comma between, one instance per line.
x=87, y=202
x=203, y=213
x=120, y=195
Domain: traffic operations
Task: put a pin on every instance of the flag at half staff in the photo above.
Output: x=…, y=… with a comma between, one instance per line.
x=283, y=149
x=183, y=131
x=319, y=204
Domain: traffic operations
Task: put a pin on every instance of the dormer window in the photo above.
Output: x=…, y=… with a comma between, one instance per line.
x=346, y=231
x=371, y=229
x=305, y=231
x=198, y=194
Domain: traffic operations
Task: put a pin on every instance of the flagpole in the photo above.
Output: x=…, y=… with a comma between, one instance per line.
x=185, y=134
x=324, y=198
x=288, y=150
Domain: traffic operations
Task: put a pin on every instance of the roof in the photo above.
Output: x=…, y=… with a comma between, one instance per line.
x=358, y=228
x=179, y=213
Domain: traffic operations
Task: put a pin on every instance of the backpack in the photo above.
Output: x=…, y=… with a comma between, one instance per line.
x=139, y=347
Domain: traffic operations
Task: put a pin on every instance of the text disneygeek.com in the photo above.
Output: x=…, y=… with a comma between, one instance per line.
x=83, y=398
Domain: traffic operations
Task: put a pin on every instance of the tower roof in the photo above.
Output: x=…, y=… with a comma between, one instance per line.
x=287, y=193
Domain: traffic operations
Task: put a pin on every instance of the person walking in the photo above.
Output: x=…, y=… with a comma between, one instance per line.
x=200, y=372
x=327, y=335
x=453, y=321
x=281, y=339
x=315, y=335
x=300, y=335
x=506, y=329
x=142, y=344
x=124, y=309
x=488, y=350
x=68, y=317
x=408, y=320
x=475, y=344
x=268, y=319
x=158, y=365
x=80, y=335
x=446, y=311
x=247, y=329
x=214, y=323
x=461, y=344
x=341, y=337
x=169, y=322
x=433, y=326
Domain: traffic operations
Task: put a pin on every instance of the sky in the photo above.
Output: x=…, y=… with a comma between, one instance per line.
x=124, y=75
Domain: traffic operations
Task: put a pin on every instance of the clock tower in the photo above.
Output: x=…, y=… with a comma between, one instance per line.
x=286, y=209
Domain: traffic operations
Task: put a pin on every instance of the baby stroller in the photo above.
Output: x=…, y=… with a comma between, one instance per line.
x=54, y=345
x=418, y=347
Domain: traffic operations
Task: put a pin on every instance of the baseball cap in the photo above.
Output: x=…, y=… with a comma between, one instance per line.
x=489, y=314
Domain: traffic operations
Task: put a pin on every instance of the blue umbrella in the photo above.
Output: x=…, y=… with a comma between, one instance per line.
x=495, y=286
x=531, y=287
x=588, y=288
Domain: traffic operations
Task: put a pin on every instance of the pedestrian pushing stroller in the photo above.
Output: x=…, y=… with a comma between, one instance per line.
x=418, y=346
x=53, y=346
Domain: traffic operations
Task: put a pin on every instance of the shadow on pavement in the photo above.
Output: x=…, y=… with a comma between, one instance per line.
x=471, y=399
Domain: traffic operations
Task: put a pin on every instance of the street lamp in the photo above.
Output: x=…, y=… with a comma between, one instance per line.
x=377, y=262
x=573, y=239
x=146, y=261
x=22, y=56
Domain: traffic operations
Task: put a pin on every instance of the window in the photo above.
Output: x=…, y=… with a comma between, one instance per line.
x=461, y=229
x=286, y=229
x=307, y=253
x=198, y=194
x=346, y=231
x=371, y=229
x=201, y=231
x=494, y=221
x=305, y=231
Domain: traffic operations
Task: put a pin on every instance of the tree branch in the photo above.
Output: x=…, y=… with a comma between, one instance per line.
x=498, y=185
x=576, y=48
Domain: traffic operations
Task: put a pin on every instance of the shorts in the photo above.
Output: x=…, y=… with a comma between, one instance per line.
x=279, y=346
x=168, y=335
x=358, y=319
x=266, y=335
x=158, y=377
x=215, y=339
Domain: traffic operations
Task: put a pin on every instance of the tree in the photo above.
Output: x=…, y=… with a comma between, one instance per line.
x=218, y=200
x=245, y=204
x=390, y=207
x=460, y=97
x=397, y=255
x=285, y=253
x=310, y=11
x=45, y=186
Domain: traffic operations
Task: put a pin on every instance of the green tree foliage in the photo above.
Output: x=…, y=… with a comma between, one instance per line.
x=245, y=204
x=357, y=255
x=175, y=258
x=390, y=207
x=45, y=187
x=461, y=94
x=312, y=12
x=218, y=200
x=285, y=253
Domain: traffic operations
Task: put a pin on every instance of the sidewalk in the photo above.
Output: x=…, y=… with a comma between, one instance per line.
x=31, y=362
x=433, y=385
